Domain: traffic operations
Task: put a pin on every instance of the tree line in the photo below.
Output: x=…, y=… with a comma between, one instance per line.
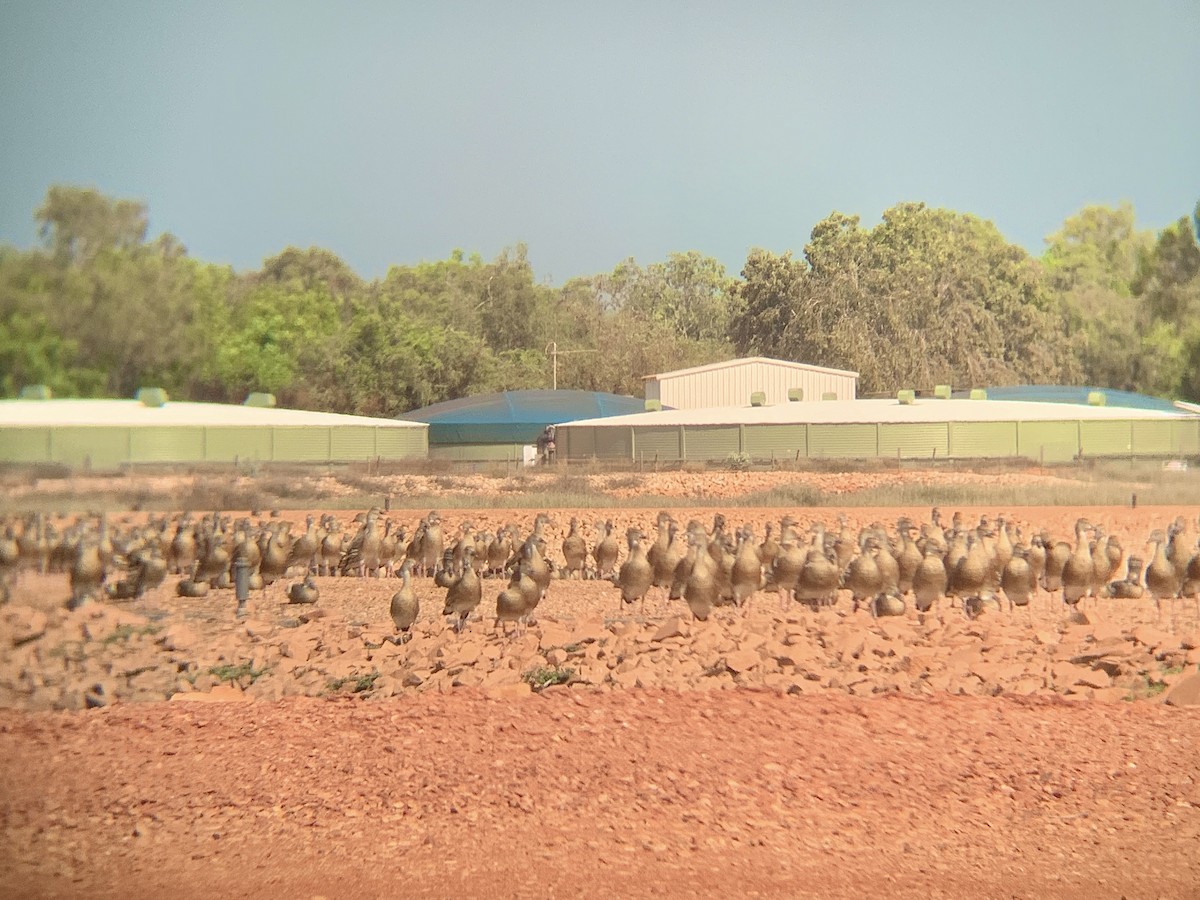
x=928, y=296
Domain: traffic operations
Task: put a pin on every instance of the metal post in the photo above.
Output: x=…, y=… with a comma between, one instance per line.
x=241, y=583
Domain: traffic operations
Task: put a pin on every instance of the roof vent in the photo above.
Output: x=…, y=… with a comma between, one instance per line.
x=942, y=392
x=1097, y=398
x=906, y=398
x=653, y=406
x=978, y=394
x=152, y=396
x=795, y=395
x=758, y=398
x=37, y=392
x=257, y=398
x=829, y=395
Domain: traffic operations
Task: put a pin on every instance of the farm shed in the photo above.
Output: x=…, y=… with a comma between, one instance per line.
x=733, y=383
x=863, y=429
x=499, y=426
x=110, y=433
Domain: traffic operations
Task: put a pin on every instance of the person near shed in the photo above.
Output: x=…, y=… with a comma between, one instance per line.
x=545, y=445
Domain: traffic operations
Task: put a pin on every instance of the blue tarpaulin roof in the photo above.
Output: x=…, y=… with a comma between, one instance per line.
x=515, y=417
x=1059, y=393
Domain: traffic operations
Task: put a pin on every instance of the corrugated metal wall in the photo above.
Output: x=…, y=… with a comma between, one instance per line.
x=715, y=442
x=732, y=386
x=1105, y=438
x=854, y=441
x=166, y=444
x=1055, y=441
x=478, y=452
x=914, y=441
x=228, y=444
x=1048, y=441
x=1186, y=438
x=982, y=440
x=657, y=442
x=105, y=447
x=776, y=441
x=25, y=445
x=98, y=446
x=611, y=443
x=1152, y=438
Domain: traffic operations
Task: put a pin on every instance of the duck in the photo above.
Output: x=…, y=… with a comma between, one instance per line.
x=405, y=607
x=1017, y=581
x=305, y=591
x=745, y=577
x=700, y=586
x=464, y=593
x=1129, y=587
x=606, y=551
x=930, y=580
x=510, y=602
x=1079, y=571
x=636, y=574
x=574, y=551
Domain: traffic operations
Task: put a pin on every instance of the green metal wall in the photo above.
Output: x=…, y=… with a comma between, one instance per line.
x=1186, y=438
x=981, y=440
x=1152, y=438
x=478, y=452
x=1048, y=441
x=25, y=445
x=855, y=441
x=401, y=443
x=612, y=443
x=108, y=447
x=98, y=446
x=716, y=442
x=659, y=442
x=1054, y=441
x=238, y=443
x=915, y=440
x=1105, y=438
x=166, y=444
x=776, y=441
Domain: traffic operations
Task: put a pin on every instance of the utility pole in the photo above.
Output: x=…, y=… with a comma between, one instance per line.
x=553, y=352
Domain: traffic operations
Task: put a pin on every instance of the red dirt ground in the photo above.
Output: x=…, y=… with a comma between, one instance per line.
x=631, y=794
x=624, y=793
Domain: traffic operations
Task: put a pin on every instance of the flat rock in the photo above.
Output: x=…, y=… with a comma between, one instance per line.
x=672, y=627
x=1150, y=636
x=743, y=661
x=178, y=637
x=1185, y=692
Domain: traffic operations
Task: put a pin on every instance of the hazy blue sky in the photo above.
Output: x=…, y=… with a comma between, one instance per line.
x=393, y=132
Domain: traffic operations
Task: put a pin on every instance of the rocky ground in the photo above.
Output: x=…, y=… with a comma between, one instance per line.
x=605, y=752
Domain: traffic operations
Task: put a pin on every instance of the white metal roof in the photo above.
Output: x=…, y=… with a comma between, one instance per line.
x=132, y=413
x=787, y=363
x=873, y=411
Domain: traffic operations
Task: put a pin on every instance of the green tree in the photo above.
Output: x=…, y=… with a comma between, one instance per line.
x=77, y=223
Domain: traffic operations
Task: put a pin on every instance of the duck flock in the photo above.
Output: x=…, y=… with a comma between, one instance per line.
x=994, y=564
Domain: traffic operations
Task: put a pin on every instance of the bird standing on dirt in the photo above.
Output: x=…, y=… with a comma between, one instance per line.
x=636, y=574
x=606, y=552
x=464, y=594
x=405, y=607
x=574, y=551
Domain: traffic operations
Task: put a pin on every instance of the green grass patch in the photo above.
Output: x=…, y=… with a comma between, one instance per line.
x=238, y=672
x=358, y=683
x=545, y=676
x=125, y=632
